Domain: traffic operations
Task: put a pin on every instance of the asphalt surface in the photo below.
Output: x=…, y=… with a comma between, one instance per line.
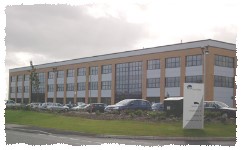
x=44, y=136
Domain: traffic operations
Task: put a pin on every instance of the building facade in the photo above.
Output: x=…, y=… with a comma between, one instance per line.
x=151, y=73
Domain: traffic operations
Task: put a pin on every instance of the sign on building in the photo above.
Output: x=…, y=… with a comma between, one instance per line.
x=193, y=109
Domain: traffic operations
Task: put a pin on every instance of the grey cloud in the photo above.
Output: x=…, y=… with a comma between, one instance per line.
x=67, y=32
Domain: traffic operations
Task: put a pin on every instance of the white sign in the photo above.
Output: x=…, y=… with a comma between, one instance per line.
x=193, y=109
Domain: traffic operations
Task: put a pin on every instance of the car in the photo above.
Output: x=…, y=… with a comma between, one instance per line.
x=157, y=107
x=11, y=103
x=79, y=107
x=93, y=107
x=33, y=105
x=57, y=107
x=133, y=104
x=44, y=106
x=217, y=106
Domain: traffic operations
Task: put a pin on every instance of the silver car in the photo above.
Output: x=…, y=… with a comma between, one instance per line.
x=57, y=107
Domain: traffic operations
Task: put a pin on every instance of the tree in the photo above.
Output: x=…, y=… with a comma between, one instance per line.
x=34, y=81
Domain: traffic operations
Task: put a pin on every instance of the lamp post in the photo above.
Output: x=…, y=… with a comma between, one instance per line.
x=204, y=52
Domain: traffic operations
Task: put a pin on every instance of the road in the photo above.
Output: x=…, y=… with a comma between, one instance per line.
x=43, y=138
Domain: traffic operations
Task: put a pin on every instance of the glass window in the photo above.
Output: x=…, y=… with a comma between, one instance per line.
x=128, y=81
x=153, y=83
x=70, y=73
x=106, y=69
x=173, y=82
x=93, y=85
x=94, y=70
x=26, y=77
x=153, y=64
x=20, y=78
x=13, y=78
x=19, y=89
x=70, y=87
x=51, y=75
x=106, y=85
x=173, y=62
x=12, y=89
x=26, y=89
x=81, y=71
x=194, y=79
x=51, y=88
x=60, y=74
x=224, y=61
x=60, y=87
x=222, y=81
x=195, y=60
x=81, y=86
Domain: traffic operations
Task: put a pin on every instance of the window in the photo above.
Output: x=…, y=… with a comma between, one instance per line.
x=19, y=89
x=106, y=69
x=26, y=89
x=60, y=74
x=12, y=89
x=153, y=83
x=20, y=78
x=51, y=75
x=93, y=85
x=153, y=64
x=128, y=81
x=195, y=60
x=70, y=87
x=81, y=86
x=26, y=77
x=60, y=87
x=70, y=73
x=173, y=62
x=194, y=79
x=94, y=70
x=13, y=78
x=224, y=61
x=106, y=85
x=222, y=81
x=173, y=82
x=81, y=71
x=51, y=88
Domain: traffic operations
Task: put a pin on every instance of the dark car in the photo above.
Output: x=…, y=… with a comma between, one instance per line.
x=133, y=104
x=157, y=107
x=216, y=106
x=93, y=107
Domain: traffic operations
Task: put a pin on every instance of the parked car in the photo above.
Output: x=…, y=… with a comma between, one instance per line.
x=157, y=107
x=133, y=104
x=44, y=106
x=216, y=106
x=79, y=107
x=57, y=107
x=11, y=103
x=34, y=105
x=93, y=107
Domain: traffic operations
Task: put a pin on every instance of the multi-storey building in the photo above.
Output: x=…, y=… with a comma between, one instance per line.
x=150, y=73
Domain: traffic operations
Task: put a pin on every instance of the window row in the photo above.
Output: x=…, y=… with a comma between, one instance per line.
x=222, y=81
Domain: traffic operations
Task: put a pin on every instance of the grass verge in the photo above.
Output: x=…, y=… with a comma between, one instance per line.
x=117, y=127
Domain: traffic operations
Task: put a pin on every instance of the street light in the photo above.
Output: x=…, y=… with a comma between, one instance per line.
x=204, y=52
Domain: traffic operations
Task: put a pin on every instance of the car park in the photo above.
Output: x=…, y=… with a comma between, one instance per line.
x=217, y=106
x=157, y=107
x=93, y=107
x=133, y=104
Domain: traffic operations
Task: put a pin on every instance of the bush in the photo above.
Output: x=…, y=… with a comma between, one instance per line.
x=212, y=115
x=157, y=115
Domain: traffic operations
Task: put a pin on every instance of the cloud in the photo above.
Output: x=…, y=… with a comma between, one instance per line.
x=67, y=32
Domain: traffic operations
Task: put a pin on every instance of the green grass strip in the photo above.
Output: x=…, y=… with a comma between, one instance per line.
x=116, y=127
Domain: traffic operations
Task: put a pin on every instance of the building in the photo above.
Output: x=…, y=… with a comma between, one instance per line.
x=150, y=73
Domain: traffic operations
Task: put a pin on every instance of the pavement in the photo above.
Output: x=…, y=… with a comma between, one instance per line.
x=41, y=130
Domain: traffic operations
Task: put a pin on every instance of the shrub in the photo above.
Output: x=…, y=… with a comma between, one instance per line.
x=212, y=115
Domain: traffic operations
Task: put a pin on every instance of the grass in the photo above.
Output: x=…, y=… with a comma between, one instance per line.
x=116, y=127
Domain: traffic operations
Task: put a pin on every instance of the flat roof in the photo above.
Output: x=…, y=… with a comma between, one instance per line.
x=166, y=48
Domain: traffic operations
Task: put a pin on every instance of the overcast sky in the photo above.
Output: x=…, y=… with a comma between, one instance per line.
x=48, y=33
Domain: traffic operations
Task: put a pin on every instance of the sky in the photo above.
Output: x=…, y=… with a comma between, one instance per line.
x=47, y=33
